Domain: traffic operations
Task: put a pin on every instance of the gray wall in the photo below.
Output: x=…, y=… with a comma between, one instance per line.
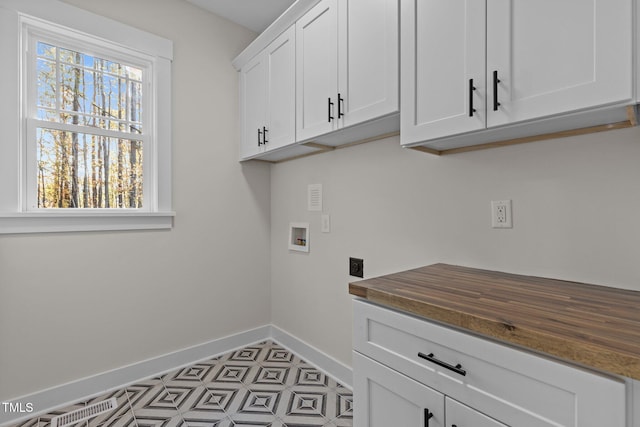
x=73, y=305
x=576, y=216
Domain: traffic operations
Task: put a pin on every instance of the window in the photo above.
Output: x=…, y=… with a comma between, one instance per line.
x=88, y=144
x=86, y=123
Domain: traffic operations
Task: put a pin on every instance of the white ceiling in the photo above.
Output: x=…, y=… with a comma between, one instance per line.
x=253, y=14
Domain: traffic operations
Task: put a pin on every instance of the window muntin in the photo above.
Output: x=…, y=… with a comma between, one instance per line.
x=87, y=128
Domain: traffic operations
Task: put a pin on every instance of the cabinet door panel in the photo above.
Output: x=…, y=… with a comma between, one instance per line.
x=316, y=70
x=368, y=59
x=253, y=87
x=443, y=48
x=556, y=56
x=383, y=398
x=281, y=107
x=459, y=415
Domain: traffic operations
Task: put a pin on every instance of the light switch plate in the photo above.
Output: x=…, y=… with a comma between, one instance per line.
x=326, y=223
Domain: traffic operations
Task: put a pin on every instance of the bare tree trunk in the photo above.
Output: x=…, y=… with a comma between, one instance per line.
x=133, y=152
x=75, y=119
x=85, y=179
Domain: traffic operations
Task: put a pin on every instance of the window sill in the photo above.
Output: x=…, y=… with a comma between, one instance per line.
x=46, y=222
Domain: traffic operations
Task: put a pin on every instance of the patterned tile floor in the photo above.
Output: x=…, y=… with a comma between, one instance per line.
x=260, y=385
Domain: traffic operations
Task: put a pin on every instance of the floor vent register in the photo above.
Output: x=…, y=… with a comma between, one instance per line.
x=85, y=413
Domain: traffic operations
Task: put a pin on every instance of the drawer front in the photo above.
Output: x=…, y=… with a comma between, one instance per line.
x=511, y=385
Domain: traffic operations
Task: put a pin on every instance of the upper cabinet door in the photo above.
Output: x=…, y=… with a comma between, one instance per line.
x=368, y=59
x=443, y=68
x=556, y=56
x=281, y=78
x=253, y=101
x=317, y=71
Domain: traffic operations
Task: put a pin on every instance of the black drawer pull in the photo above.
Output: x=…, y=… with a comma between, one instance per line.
x=259, y=135
x=471, y=89
x=431, y=358
x=496, y=80
x=427, y=416
x=330, y=110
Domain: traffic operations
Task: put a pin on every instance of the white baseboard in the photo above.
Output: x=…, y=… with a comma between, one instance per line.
x=339, y=371
x=44, y=401
x=67, y=394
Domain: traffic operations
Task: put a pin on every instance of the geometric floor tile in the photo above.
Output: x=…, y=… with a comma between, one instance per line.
x=259, y=385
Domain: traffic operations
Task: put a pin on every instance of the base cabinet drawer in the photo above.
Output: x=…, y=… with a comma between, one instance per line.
x=516, y=387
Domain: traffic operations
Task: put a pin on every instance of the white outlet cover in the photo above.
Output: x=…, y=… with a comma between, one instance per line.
x=501, y=215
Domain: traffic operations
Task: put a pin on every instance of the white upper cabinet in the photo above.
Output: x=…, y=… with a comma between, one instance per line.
x=317, y=70
x=368, y=81
x=253, y=96
x=267, y=93
x=347, y=65
x=469, y=65
x=556, y=56
x=443, y=83
x=281, y=96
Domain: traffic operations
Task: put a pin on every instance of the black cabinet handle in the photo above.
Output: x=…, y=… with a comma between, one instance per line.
x=340, y=106
x=259, y=135
x=330, y=110
x=496, y=80
x=427, y=416
x=264, y=134
x=471, y=89
x=431, y=358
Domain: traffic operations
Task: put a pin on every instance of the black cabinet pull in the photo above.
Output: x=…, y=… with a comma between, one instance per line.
x=427, y=416
x=264, y=134
x=330, y=110
x=471, y=89
x=431, y=358
x=496, y=80
x=340, y=106
x=259, y=135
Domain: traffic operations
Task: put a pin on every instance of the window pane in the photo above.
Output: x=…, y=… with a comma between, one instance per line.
x=80, y=170
x=46, y=83
x=46, y=50
x=87, y=90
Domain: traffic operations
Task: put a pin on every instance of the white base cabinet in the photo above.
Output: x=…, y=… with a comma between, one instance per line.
x=384, y=398
x=404, y=366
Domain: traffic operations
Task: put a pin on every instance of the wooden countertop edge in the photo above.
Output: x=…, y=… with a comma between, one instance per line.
x=588, y=355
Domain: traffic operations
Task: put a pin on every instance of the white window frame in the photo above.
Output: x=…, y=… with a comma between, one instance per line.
x=75, y=28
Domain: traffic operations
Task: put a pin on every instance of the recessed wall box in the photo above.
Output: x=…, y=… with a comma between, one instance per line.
x=299, y=236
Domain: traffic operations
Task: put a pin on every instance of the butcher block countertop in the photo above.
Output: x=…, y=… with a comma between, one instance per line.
x=595, y=326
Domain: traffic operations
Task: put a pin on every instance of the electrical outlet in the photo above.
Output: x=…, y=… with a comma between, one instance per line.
x=501, y=214
x=356, y=267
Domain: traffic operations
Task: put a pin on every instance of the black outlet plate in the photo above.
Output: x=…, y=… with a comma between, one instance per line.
x=356, y=267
